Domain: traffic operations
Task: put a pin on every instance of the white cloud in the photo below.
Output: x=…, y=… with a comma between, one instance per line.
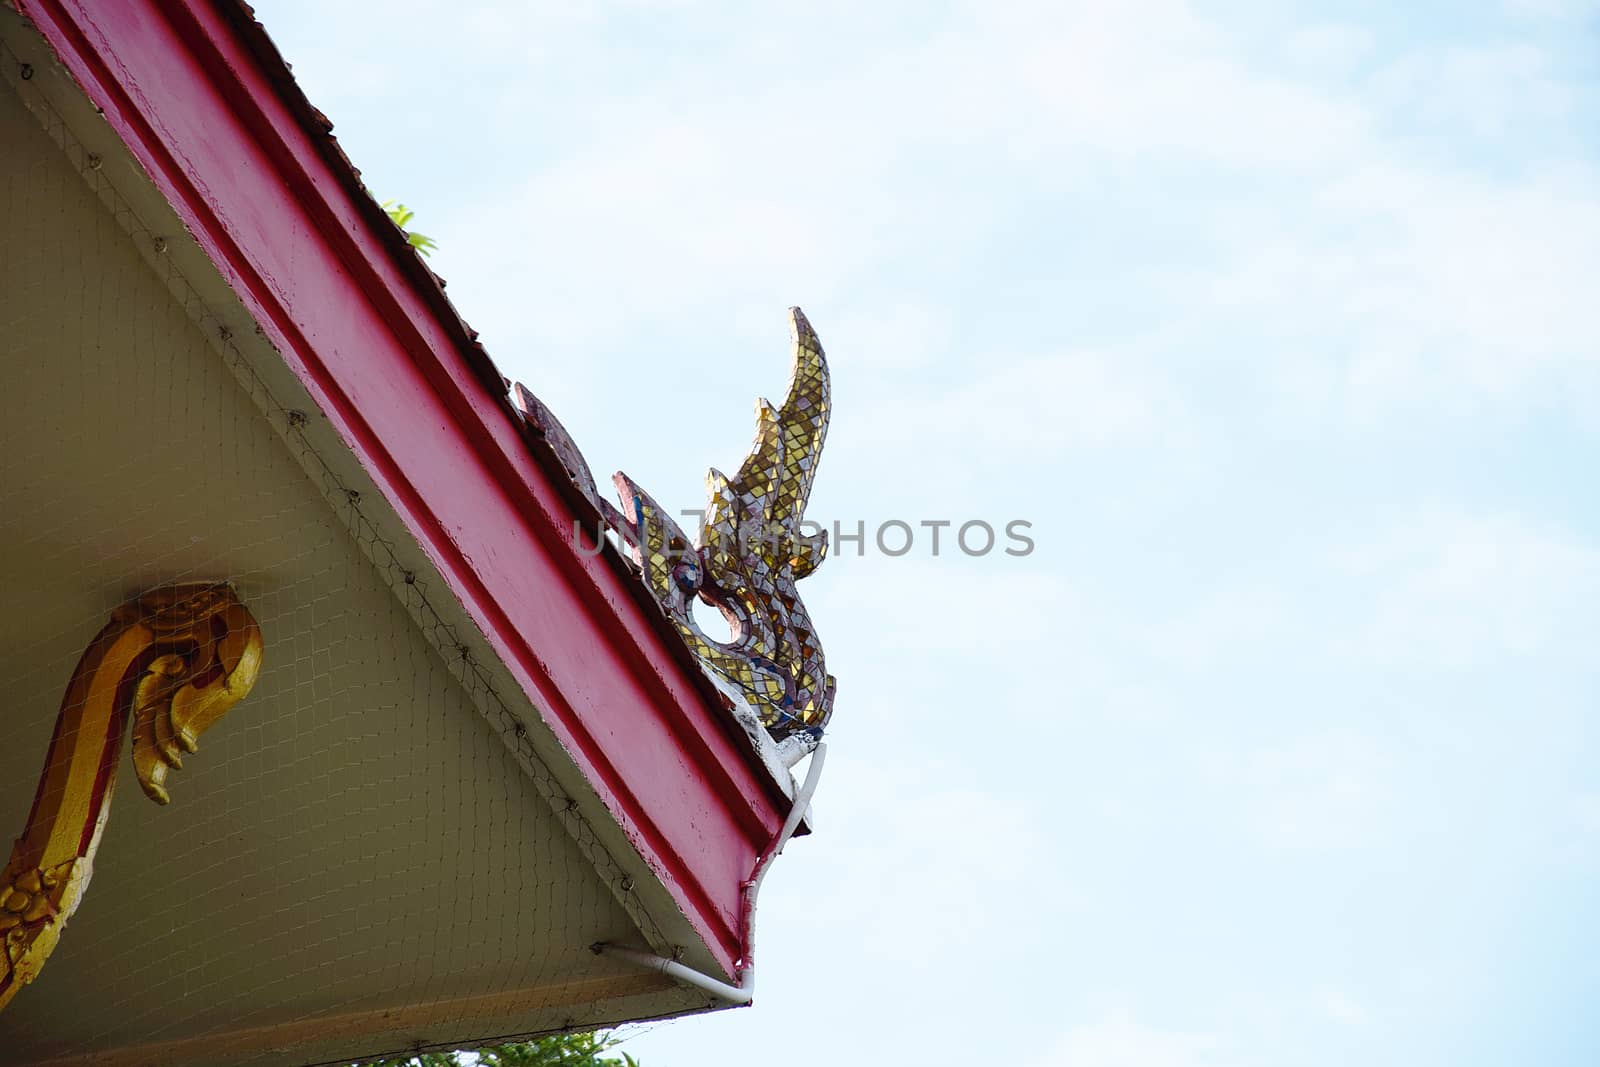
x=1327, y=48
x=1031, y=408
x=1121, y=1042
x=1552, y=9
x=1428, y=289
x=1331, y=789
x=912, y=598
x=903, y=338
x=941, y=858
x=1239, y=621
x=1416, y=281
x=1457, y=590
x=1587, y=813
x=815, y=180
x=1483, y=90
x=1342, y=1008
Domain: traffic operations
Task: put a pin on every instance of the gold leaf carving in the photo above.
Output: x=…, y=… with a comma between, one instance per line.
x=173, y=661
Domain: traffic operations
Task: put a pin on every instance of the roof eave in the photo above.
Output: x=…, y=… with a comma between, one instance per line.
x=203, y=102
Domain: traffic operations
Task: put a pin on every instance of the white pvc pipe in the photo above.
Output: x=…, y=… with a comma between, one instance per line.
x=745, y=991
x=688, y=975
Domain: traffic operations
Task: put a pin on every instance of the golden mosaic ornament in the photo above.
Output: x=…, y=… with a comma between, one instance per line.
x=754, y=547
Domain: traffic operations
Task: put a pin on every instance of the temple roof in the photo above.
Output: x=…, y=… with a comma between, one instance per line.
x=192, y=162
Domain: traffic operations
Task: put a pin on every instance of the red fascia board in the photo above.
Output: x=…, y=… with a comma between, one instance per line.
x=367, y=332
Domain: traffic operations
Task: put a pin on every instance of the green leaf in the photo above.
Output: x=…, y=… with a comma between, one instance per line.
x=555, y=1050
x=401, y=216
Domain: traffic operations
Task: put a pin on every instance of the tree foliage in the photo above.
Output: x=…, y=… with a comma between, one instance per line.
x=556, y=1050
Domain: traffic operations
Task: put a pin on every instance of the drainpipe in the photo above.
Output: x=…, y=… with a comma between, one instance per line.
x=745, y=991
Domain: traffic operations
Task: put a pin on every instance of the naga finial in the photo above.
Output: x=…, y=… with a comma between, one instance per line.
x=754, y=547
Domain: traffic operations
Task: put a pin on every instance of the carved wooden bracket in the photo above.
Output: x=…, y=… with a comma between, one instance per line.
x=174, y=660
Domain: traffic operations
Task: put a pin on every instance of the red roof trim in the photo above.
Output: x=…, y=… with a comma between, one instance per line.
x=202, y=101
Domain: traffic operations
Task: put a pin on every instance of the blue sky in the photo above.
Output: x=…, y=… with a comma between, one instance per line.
x=1275, y=321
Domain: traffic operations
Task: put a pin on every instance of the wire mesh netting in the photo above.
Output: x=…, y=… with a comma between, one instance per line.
x=366, y=852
